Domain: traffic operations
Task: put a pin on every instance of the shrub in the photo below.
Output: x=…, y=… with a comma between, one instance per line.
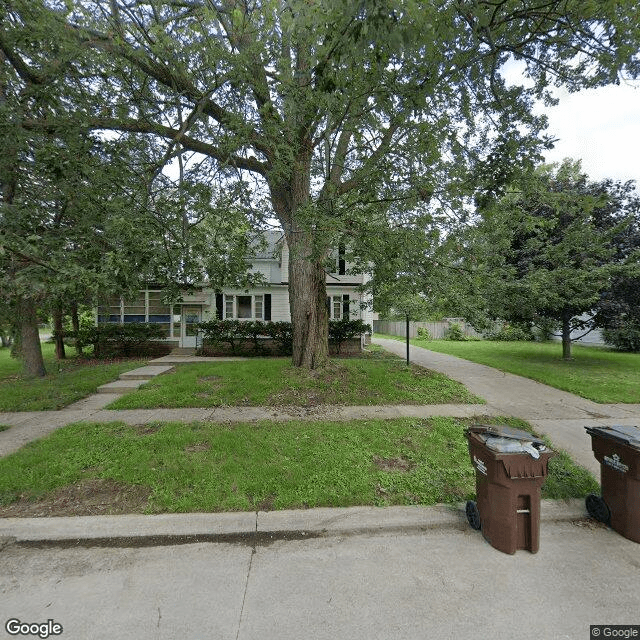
x=341, y=330
x=423, y=334
x=114, y=340
x=237, y=334
x=624, y=337
x=511, y=333
x=454, y=332
x=282, y=334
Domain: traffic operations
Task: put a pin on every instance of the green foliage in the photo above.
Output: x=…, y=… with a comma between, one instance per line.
x=454, y=332
x=342, y=330
x=625, y=336
x=237, y=333
x=423, y=334
x=511, y=333
x=348, y=119
x=124, y=340
x=549, y=250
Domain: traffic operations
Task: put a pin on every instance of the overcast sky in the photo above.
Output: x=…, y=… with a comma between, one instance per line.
x=600, y=126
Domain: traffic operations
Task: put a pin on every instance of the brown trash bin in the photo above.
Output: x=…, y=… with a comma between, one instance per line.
x=508, y=484
x=617, y=449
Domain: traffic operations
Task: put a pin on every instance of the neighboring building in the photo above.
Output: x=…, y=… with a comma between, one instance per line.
x=269, y=301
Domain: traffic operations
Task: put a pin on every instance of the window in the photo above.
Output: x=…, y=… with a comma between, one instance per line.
x=338, y=307
x=244, y=307
x=146, y=306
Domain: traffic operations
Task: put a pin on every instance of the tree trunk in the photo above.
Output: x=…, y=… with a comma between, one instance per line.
x=75, y=323
x=308, y=303
x=58, y=331
x=566, y=337
x=30, y=349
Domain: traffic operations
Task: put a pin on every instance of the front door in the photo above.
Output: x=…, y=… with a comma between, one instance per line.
x=191, y=316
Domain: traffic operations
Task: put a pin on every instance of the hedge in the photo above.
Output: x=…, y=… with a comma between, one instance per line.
x=124, y=340
x=237, y=335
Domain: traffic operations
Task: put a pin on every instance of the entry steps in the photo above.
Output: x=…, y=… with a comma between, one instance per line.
x=131, y=380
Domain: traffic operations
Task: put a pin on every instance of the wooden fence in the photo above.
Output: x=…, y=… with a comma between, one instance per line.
x=436, y=329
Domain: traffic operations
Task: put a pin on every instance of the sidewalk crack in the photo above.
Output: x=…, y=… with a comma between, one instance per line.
x=246, y=584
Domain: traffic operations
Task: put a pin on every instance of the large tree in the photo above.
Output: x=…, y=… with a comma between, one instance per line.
x=327, y=106
x=549, y=249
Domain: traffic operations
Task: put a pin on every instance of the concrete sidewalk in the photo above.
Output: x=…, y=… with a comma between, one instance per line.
x=558, y=414
x=361, y=573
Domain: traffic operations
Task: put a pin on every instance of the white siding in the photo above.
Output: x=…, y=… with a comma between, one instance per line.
x=284, y=263
x=280, y=304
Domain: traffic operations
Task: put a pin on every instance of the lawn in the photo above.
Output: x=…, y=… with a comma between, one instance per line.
x=172, y=467
x=599, y=374
x=66, y=380
x=375, y=378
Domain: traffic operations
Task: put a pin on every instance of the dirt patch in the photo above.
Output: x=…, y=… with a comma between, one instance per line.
x=198, y=446
x=393, y=464
x=589, y=523
x=90, y=497
x=266, y=504
x=146, y=429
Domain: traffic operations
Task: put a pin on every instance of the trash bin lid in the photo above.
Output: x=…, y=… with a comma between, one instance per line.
x=625, y=434
x=502, y=431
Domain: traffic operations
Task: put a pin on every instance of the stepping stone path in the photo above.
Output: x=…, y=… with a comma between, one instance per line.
x=131, y=380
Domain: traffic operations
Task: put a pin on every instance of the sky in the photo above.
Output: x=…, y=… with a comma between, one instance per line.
x=599, y=126
x=602, y=127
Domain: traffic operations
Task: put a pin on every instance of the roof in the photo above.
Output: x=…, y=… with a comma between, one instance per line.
x=273, y=239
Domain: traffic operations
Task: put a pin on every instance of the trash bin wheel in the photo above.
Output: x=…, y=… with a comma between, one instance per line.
x=473, y=515
x=597, y=508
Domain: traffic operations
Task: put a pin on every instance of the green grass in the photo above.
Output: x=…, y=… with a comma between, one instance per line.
x=599, y=374
x=4, y=427
x=373, y=379
x=212, y=467
x=66, y=380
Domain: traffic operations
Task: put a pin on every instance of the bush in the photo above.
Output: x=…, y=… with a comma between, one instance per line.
x=282, y=334
x=341, y=330
x=511, y=333
x=423, y=334
x=124, y=340
x=238, y=334
x=454, y=332
x=624, y=337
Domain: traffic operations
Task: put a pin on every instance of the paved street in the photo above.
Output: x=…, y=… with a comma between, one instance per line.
x=402, y=580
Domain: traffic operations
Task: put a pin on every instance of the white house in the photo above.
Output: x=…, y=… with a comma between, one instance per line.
x=269, y=301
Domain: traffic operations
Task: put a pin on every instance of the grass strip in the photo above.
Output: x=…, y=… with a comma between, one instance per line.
x=212, y=467
x=372, y=379
x=596, y=373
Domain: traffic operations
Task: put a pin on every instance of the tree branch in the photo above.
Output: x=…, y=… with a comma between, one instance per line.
x=137, y=126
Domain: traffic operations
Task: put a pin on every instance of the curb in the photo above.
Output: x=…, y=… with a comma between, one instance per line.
x=249, y=528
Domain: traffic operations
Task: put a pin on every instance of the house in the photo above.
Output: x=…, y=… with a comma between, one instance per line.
x=269, y=301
